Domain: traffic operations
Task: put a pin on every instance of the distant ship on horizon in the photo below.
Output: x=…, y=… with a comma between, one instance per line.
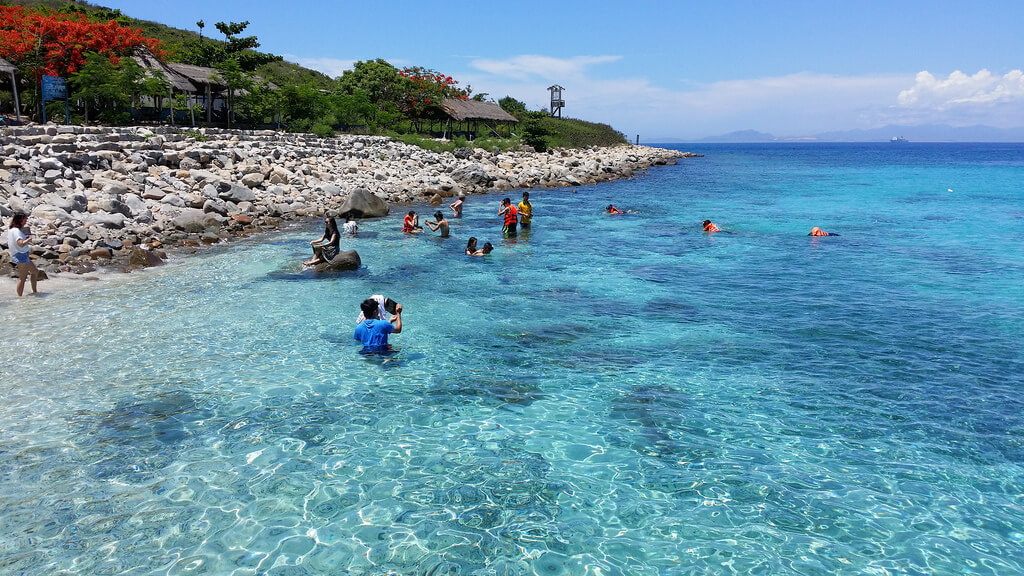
x=896, y=139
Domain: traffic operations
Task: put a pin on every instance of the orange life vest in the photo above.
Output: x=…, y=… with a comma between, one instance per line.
x=510, y=216
x=712, y=228
x=818, y=232
x=407, y=223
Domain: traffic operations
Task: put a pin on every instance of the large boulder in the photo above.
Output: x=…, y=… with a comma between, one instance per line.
x=141, y=258
x=472, y=175
x=343, y=261
x=194, y=220
x=362, y=203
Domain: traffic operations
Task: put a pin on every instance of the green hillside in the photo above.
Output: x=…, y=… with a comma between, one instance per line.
x=367, y=99
x=175, y=39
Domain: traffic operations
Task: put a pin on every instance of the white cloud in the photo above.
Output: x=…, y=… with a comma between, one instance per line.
x=333, y=67
x=531, y=66
x=791, y=105
x=960, y=89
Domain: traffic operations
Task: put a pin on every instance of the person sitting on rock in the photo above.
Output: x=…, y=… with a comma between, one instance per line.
x=350, y=227
x=441, y=224
x=457, y=206
x=611, y=209
x=326, y=247
x=373, y=332
x=709, y=226
x=411, y=223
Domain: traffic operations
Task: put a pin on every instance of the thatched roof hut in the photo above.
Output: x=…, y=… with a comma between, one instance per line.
x=201, y=76
x=472, y=110
x=8, y=68
x=144, y=58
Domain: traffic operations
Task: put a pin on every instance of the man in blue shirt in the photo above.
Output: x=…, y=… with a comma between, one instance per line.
x=373, y=332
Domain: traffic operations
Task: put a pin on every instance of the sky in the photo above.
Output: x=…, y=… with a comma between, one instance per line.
x=671, y=70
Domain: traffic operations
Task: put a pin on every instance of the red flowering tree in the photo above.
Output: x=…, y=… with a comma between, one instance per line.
x=55, y=43
x=425, y=89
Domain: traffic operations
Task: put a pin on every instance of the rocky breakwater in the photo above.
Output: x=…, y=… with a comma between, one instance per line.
x=118, y=195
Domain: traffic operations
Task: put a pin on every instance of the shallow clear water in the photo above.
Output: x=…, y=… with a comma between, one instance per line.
x=608, y=395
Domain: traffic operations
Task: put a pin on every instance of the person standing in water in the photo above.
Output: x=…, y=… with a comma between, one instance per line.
x=441, y=224
x=17, y=242
x=411, y=223
x=525, y=211
x=373, y=331
x=457, y=206
x=510, y=214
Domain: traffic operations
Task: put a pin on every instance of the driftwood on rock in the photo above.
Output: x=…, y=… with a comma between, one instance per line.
x=344, y=261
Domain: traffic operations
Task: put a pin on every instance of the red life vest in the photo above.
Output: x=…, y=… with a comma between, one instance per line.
x=510, y=216
x=407, y=223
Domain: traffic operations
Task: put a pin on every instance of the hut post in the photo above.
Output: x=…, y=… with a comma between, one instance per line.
x=170, y=101
x=191, y=109
x=209, y=108
x=14, y=90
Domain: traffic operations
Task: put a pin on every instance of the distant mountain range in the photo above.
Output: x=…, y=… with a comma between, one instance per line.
x=924, y=133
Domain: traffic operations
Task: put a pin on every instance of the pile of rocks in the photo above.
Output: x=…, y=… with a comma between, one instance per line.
x=108, y=194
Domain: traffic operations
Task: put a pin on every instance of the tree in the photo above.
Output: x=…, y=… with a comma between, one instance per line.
x=512, y=106
x=108, y=89
x=232, y=76
x=57, y=43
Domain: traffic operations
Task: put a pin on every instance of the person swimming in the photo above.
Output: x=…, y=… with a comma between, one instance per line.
x=471, y=249
x=709, y=226
x=819, y=232
x=611, y=209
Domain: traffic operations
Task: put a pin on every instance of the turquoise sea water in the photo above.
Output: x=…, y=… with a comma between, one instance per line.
x=607, y=395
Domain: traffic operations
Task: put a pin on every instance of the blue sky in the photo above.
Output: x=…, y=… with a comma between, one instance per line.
x=672, y=70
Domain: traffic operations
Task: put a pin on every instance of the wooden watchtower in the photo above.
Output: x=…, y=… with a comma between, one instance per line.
x=556, y=100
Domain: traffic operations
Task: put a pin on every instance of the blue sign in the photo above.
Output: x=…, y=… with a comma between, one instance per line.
x=54, y=88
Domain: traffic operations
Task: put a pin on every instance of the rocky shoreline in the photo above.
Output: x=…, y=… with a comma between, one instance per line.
x=119, y=197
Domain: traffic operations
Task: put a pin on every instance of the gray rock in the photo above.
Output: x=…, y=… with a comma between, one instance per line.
x=253, y=179
x=193, y=220
x=104, y=219
x=140, y=258
x=135, y=204
x=330, y=190
x=50, y=213
x=173, y=201
x=363, y=204
x=348, y=260
x=217, y=206
x=472, y=175
x=237, y=194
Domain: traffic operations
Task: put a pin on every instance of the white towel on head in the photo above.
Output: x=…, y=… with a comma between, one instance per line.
x=382, y=312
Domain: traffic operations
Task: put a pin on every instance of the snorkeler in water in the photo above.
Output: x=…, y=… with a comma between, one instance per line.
x=819, y=232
